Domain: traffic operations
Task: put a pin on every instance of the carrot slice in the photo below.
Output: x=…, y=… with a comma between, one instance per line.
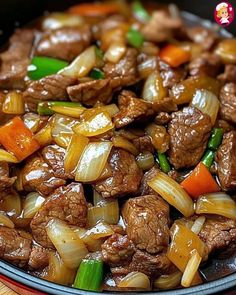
x=89, y=9
x=18, y=139
x=200, y=182
x=174, y=55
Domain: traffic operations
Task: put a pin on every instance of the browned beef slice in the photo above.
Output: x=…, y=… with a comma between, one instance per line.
x=162, y=118
x=117, y=250
x=39, y=258
x=219, y=233
x=65, y=203
x=126, y=175
x=203, y=36
x=131, y=109
x=126, y=69
x=148, y=176
x=38, y=176
x=15, y=246
x=228, y=102
x=147, y=221
x=189, y=131
x=144, y=144
x=226, y=161
x=5, y=180
x=229, y=74
x=49, y=88
x=171, y=76
x=64, y=43
x=15, y=60
x=206, y=64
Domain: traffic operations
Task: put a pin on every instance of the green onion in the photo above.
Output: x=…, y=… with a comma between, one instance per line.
x=44, y=66
x=97, y=74
x=89, y=276
x=208, y=158
x=99, y=52
x=164, y=163
x=140, y=12
x=135, y=38
x=215, y=139
x=46, y=108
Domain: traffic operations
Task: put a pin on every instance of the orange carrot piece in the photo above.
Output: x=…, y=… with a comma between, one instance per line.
x=174, y=55
x=200, y=182
x=93, y=9
x=18, y=139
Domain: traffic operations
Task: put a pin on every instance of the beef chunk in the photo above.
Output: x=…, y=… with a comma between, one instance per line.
x=39, y=258
x=131, y=109
x=148, y=176
x=38, y=176
x=117, y=250
x=126, y=176
x=15, y=60
x=64, y=43
x=144, y=144
x=203, y=36
x=219, y=233
x=66, y=203
x=171, y=76
x=162, y=118
x=161, y=27
x=5, y=181
x=228, y=102
x=147, y=220
x=15, y=246
x=126, y=69
x=49, y=88
x=207, y=64
x=189, y=131
x=229, y=74
x=226, y=161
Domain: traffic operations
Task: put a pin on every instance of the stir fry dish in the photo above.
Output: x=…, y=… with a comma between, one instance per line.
x=117, y=148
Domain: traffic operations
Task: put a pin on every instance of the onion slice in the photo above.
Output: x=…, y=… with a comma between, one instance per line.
x=7, y=157
x=153, y=89
x=115, y=52
x=191, y=269
x=198, y=224
x=5, y=220
x=135, y=279
x=173, y=193
x=121, y=142
x=171, y=281
x=32, y=204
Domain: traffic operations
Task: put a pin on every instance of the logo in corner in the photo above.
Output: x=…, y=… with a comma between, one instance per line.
x=224, y=14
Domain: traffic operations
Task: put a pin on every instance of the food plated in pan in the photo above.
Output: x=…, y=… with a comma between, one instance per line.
x=117, y=148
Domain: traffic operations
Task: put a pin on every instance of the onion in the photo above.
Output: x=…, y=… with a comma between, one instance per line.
x=6, y=221
x=82, y=65
x=207, y=102
x=111, y=109
x=216, y=203
x=171, y=281
x=32, y=204
x=44, y=136
x=7, y=157
x=115, y=35
x=106, y=172
x=58, y=20
x=93, y=161
x=150, y=49
x=92, y=244
x=135, y=279
x=69, y=246
x=58, y=272
x=173, y=193
x=145, y=160
x=74, y=112
x=153, y=89
x=11, y=204
x=121, y=142
x=97, y=123
x=115, y=52
x=32, y=121
x=191, y=269
x=100, y=230
x=226, y=49
x=98, y=199
x=159, y=136
x=198, y=224
x=14, y=103
x=19, y=181
x=74, y=152
x=147, y=67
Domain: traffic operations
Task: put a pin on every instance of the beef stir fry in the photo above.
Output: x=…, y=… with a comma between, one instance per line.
x=117, y=148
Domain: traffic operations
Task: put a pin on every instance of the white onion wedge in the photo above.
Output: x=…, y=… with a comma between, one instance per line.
x=216, y=203
x=121, y=142
x=92, y=244
x=191, y=269
x=153, y=89
x=14, y=103
x=32, y=203
x=111, y=109
x=44, y=136
x=173, y=193
x=136, y=280
x=68, y=244
x=93, y=161
x=198, y=224
x=145, y=160
x=115, y=52
x=7, y=157
x=58, y=20
x=5, y=220
x=171, y=281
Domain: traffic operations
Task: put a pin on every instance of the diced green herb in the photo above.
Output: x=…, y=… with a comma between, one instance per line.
x=135, y=38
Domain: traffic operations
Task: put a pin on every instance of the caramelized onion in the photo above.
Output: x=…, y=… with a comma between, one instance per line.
x=191, y=269
x=14, y=103
x=153, y=89
x=7, y=157
x=145, y=160
x=171, y=281
x=44, y=136
x=115, y=52
x=32, y=204
x=6, y=221
x=58, y=20
x=121, y=142
x=135, y=279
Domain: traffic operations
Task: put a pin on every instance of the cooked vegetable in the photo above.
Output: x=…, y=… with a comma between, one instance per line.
x=93, y=161
x=135, y=38
x=11, y=204
x=69, y=246
x=115, y=52
x=165, y=282
x=94, y=9
x=216, y=138
x=32, y=203
x=146, y=67
x=163, y=161
x=159, y=136
x=145, y=160
x=121, y=142
x=135, y=279
x=153, y=89
x=216, y=203
x=42, y=66
x=174, y=55
x=32, y=121
x=191, y=269
x=97, y=74
x=140, y=12
x=207, y=102
x=93, y=245
x=5, y=221
x=72, y=109
x=173, y=193
x=18, y=139
x=200, y=181
x=208, y=158
x=226, y=50
x=58, y=20
x=14, y=103
x=7, y=157
x=198, y=224
x=44, y=136
x=110, y=109
x=89, y=276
